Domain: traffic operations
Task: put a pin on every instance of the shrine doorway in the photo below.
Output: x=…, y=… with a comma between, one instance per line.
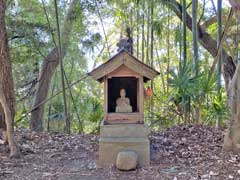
x=130, y=85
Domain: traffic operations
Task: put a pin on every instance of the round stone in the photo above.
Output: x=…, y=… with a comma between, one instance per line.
x=127, y=160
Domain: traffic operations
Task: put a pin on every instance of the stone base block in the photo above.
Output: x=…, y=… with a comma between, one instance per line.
x=117, y=138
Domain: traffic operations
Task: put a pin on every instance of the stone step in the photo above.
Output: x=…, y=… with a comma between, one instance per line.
x=124, y=130
x=110, y=147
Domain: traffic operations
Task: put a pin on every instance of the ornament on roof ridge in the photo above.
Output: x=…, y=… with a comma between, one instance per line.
x=126, y=42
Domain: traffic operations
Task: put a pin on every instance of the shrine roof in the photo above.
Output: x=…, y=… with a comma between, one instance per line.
x=123, y=58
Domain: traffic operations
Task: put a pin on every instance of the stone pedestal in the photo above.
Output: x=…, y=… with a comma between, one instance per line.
x=121, y=137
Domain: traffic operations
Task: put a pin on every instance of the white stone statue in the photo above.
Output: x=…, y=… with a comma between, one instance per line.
x=123, y=103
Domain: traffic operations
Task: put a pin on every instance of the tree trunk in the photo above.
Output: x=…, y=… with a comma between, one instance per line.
x=143, y=23
x=219, y=36
x=168, y=47
x=14, y=152
x=232, y=136
x=184, y=31
x=228, y=66
x=148, y=33
x=184, y=45
x=195, y=36
x=48, y=69
x=195, y=63
x=7, y=97
x=151, y=53
x=137, y=28
x=3, y=127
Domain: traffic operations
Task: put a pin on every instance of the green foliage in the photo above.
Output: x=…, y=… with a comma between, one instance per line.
x=197, y=92
x=181, y=81
x=176, y=91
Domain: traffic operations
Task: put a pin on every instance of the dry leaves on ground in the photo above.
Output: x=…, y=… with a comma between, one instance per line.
x=179, y=153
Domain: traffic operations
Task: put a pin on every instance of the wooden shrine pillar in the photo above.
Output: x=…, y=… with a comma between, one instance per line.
x=123, y=125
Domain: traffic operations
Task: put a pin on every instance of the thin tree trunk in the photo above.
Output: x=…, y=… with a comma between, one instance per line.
x=184, y=41
x=180, y=50
x=151, y=55
x=228, y=66
x=219, y=36
x=49, y=66
x=184, y=35
x=168, y=47
x=195, y=68
x=195, y=35
x=103, y=28
x=161, y=71
x=238, y=41
x=143, y=22
x=137, y=28
x=74, y=105
x=148, y=32
x=7, y=96
x=66, y=116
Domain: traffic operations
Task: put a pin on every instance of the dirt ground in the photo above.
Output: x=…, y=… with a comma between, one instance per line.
x=179, y=153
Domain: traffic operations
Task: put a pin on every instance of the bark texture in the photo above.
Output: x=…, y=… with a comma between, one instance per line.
x=3, y=125
x=48, y=69
x=7, y=96
x=232, y=136
x=5, y=65
x=14, y=152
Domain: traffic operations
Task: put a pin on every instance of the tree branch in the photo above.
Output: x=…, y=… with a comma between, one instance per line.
x=209, y=22
x=205, y=39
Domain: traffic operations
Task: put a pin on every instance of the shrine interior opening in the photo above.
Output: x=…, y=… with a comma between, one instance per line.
x=130, y=86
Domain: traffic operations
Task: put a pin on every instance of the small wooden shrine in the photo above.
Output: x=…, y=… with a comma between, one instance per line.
x=123, y=71
x=123, y=127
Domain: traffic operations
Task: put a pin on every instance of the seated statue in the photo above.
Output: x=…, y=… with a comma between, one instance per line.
x=123, y=103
